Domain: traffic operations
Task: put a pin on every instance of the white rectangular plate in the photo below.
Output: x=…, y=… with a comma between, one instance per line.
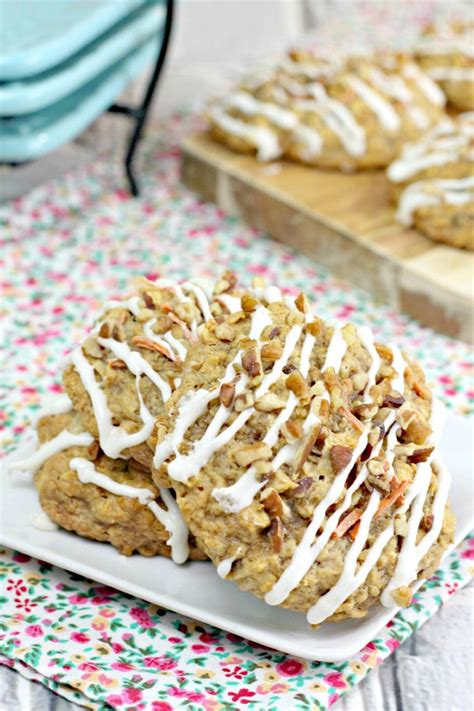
x=195, y=590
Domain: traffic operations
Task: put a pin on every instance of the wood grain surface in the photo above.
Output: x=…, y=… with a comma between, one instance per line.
x=343, y=222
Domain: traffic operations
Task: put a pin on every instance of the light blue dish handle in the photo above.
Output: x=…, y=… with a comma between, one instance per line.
x=28, y=137
x=29, y=95
x=36, y=35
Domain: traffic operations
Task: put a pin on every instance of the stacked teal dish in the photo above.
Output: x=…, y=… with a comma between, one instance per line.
x=64, y=62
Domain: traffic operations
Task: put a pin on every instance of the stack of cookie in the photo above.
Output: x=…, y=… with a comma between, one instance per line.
x=348, y=114
x=299, y=455
x=433, y=181
x=446, y=54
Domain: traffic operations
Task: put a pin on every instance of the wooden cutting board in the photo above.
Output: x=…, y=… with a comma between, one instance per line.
x=345, y=223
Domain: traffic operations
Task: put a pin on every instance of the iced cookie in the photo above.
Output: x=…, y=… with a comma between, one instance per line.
x=113, y=500
x=350, y=114
x=303, y=458
x=446, y=54
x=433, y=182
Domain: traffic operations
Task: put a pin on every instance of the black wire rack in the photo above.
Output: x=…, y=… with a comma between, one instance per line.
x=139, y=114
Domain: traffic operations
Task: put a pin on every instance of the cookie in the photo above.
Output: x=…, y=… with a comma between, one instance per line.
x=126, y=370
x=433, y=183
x=349, y=114
x=303, y=458
x=113, y=500
x=445, y=53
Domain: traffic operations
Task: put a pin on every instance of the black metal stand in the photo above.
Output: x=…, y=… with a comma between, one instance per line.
x=139, y=114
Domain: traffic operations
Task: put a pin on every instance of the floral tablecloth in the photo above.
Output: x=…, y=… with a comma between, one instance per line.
x=66, y=247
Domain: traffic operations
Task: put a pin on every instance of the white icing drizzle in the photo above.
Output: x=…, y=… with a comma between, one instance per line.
x=311, y=140
x=426, y=85
x=451, y=73
x=54, y=405
x=42, y=522
x=192, y=406
x=426, y=193
x=201, y=298
x=392, y=85
x=270, y=294
x=308, y=549
x=113, y=439
x=366, y=337
x=175, y=288
x=262, y=138
x=136, y=364
x=88, y=474
x=170, y=517
x=239, y=495
x=412, y=552
x=340, y=120
x=62, y=441
x=382, y=108
x=132, y=304
x=167, y=340
x=173, y=521
x=418, y=116
x=250, y=106
x=225, y=566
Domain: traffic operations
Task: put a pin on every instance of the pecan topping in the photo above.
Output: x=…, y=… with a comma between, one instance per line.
x=305, y=449
x=340, y=457
x=289, y=368
x=270, y=402
x=315, y=327
x=297, y=384
x=227, y=281
x=272, y=502
x=93, y=450
x=104, y=330
x=139, y=466
x=250, y=363
x=275, y=332
x=427, y=522
x=224, y=332
x=276, y=532
x=148, y=299
x=117, y=363
x=249, y=303
x=249, y=453
x=152, y=346
x=303, y=486
x=420, y=455
x=393, y=399
x=402, y=596
x=351, y=419
x=292, y=430
x=301, y=303
x=226, y=394
x=271, y=351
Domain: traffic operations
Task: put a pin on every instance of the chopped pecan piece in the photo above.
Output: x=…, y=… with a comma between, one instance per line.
x=292, y=430
x=393, y=399
x=274, y=332
x=250, y=363
x=269, y=402
x=303, y=486
x=297, y=384
x=315, y=327
x=224, y=332
x=117, y=364
x=249, y=303
x=306, y=447
x=351, y=419
x=249, y=453
x=226, y=394
x=276, y=533
x=226, y=282
x=148, y=299
x=105, y=329
x=272, y=502
x=93, y=450
x=420, y=455
x=271, y=351
x=340, y=457
x=153, y=346
x=302, y=303
x=289, y=368
x=367, y=411
x=427, y=522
